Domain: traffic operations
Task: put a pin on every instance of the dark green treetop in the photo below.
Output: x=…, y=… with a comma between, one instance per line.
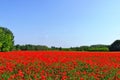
x=115, y=46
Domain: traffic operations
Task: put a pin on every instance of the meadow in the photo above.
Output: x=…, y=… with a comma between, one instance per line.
x=59, y=65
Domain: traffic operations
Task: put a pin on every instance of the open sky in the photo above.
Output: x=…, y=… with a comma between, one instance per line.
x=62, y=23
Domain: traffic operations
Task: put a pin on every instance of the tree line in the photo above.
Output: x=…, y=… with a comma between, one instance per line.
x=30, y=47
x=7, y=44
x=84, y=48
x=81, y=48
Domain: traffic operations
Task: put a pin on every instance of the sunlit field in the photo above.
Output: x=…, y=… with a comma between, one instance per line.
x=59, y=65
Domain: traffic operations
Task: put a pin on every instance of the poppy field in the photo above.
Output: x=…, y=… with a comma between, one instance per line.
x=59, y=65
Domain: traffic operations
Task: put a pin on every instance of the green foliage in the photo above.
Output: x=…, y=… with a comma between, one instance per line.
x=30, y=47
x=91, y=48
x=98, y=48
x=6, y=39
x=5, y=75
x=81, y=48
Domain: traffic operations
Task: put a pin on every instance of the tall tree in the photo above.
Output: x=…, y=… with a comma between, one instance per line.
x=115, y=46
x=6, y=39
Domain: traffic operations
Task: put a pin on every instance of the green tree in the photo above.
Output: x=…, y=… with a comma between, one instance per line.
x=99, y=47
x=6, y=39
x=84, y=48
x=115, y=46
x=17, y=47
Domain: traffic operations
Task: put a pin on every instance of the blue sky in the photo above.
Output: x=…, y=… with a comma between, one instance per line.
x=62, y=23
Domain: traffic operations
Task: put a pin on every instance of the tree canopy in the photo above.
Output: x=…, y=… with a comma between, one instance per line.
x=6, y=39
x=115, y=46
